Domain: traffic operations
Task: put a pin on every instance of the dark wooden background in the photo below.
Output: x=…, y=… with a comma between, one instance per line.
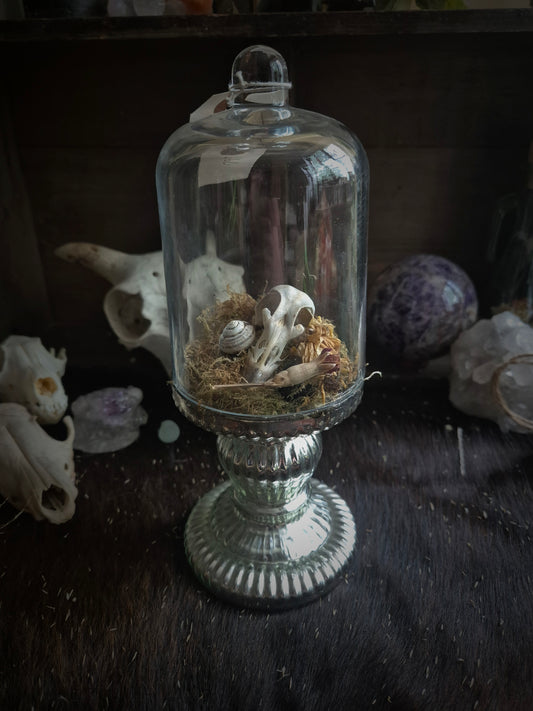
x=441, y=101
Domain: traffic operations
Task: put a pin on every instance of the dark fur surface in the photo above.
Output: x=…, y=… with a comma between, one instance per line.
x=434, y=613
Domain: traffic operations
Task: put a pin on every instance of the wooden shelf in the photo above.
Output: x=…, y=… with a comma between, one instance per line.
x=438, y=99
x=333, y=24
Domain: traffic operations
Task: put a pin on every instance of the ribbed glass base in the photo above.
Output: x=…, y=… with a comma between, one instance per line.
x=271, y=537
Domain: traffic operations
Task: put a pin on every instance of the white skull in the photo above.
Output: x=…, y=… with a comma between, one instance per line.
x=284, y=313
x=31, y=376
x=206, y=280
x=36, y=471
x=136, y=306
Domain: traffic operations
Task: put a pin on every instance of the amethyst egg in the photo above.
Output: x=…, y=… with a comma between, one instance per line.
x=418, y=306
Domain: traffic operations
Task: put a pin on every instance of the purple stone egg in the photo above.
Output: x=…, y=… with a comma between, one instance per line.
x=418, y=306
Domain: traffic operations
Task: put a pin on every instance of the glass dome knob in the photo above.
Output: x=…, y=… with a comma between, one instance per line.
x=259, y=75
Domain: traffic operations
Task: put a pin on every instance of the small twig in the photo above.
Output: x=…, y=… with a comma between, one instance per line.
x=374, y=372
x=221, y=386
x=4, y=525
x=460, y=444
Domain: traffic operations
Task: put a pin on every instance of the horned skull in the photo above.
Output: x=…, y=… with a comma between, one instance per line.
x=284, y=312
x=136, y=305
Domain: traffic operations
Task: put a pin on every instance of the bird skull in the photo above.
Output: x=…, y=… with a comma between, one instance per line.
x=284, y=313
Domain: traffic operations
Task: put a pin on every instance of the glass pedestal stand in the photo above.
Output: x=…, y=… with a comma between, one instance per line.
x=270, y=537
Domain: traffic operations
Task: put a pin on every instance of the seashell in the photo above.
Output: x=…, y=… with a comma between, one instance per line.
x=236, y=336
x=325, y=362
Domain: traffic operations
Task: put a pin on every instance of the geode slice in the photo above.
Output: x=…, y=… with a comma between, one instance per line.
x=108, y=420
x=418, y=306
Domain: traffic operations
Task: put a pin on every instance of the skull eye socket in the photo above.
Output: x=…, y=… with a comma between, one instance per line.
x=270, y=301
x=304, y=316
x=126, y=312
x=54, y=498
x=45, y=386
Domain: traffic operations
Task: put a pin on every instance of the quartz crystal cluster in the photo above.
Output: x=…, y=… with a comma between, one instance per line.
x=476, y=356
x=108, y=420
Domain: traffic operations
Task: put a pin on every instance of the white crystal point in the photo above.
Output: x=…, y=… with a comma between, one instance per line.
x=476, y=355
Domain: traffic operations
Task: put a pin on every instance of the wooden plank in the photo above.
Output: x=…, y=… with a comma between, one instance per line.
x=23, y=298
x=107, y=94
x=421, y=91
x=295, y=24
x=436, y=200
x=398, y=91
x=445, y=120
x=106, y=196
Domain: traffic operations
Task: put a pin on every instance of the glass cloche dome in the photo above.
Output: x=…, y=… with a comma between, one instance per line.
x=263, y=212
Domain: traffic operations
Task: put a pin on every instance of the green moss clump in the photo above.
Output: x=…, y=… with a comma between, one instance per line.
x=206, y=366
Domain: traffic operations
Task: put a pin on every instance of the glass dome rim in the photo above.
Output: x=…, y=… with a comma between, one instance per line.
x=354, y=393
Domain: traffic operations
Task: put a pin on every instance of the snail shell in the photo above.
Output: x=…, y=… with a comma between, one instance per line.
x=236, y=336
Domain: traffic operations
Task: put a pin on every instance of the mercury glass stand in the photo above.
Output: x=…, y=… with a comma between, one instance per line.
x=271, y=536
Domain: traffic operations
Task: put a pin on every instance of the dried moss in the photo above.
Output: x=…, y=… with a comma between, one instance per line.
x=206, y=366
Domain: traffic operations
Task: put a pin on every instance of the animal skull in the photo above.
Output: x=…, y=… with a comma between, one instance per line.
x=31, y=376
x=208, y=279
x=36, y=471
x=284, y=313
x=136, y=306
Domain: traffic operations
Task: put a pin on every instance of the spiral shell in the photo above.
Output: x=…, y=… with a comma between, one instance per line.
x=236, y=336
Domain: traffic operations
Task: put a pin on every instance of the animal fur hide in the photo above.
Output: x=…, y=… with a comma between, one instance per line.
x=434, y=612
